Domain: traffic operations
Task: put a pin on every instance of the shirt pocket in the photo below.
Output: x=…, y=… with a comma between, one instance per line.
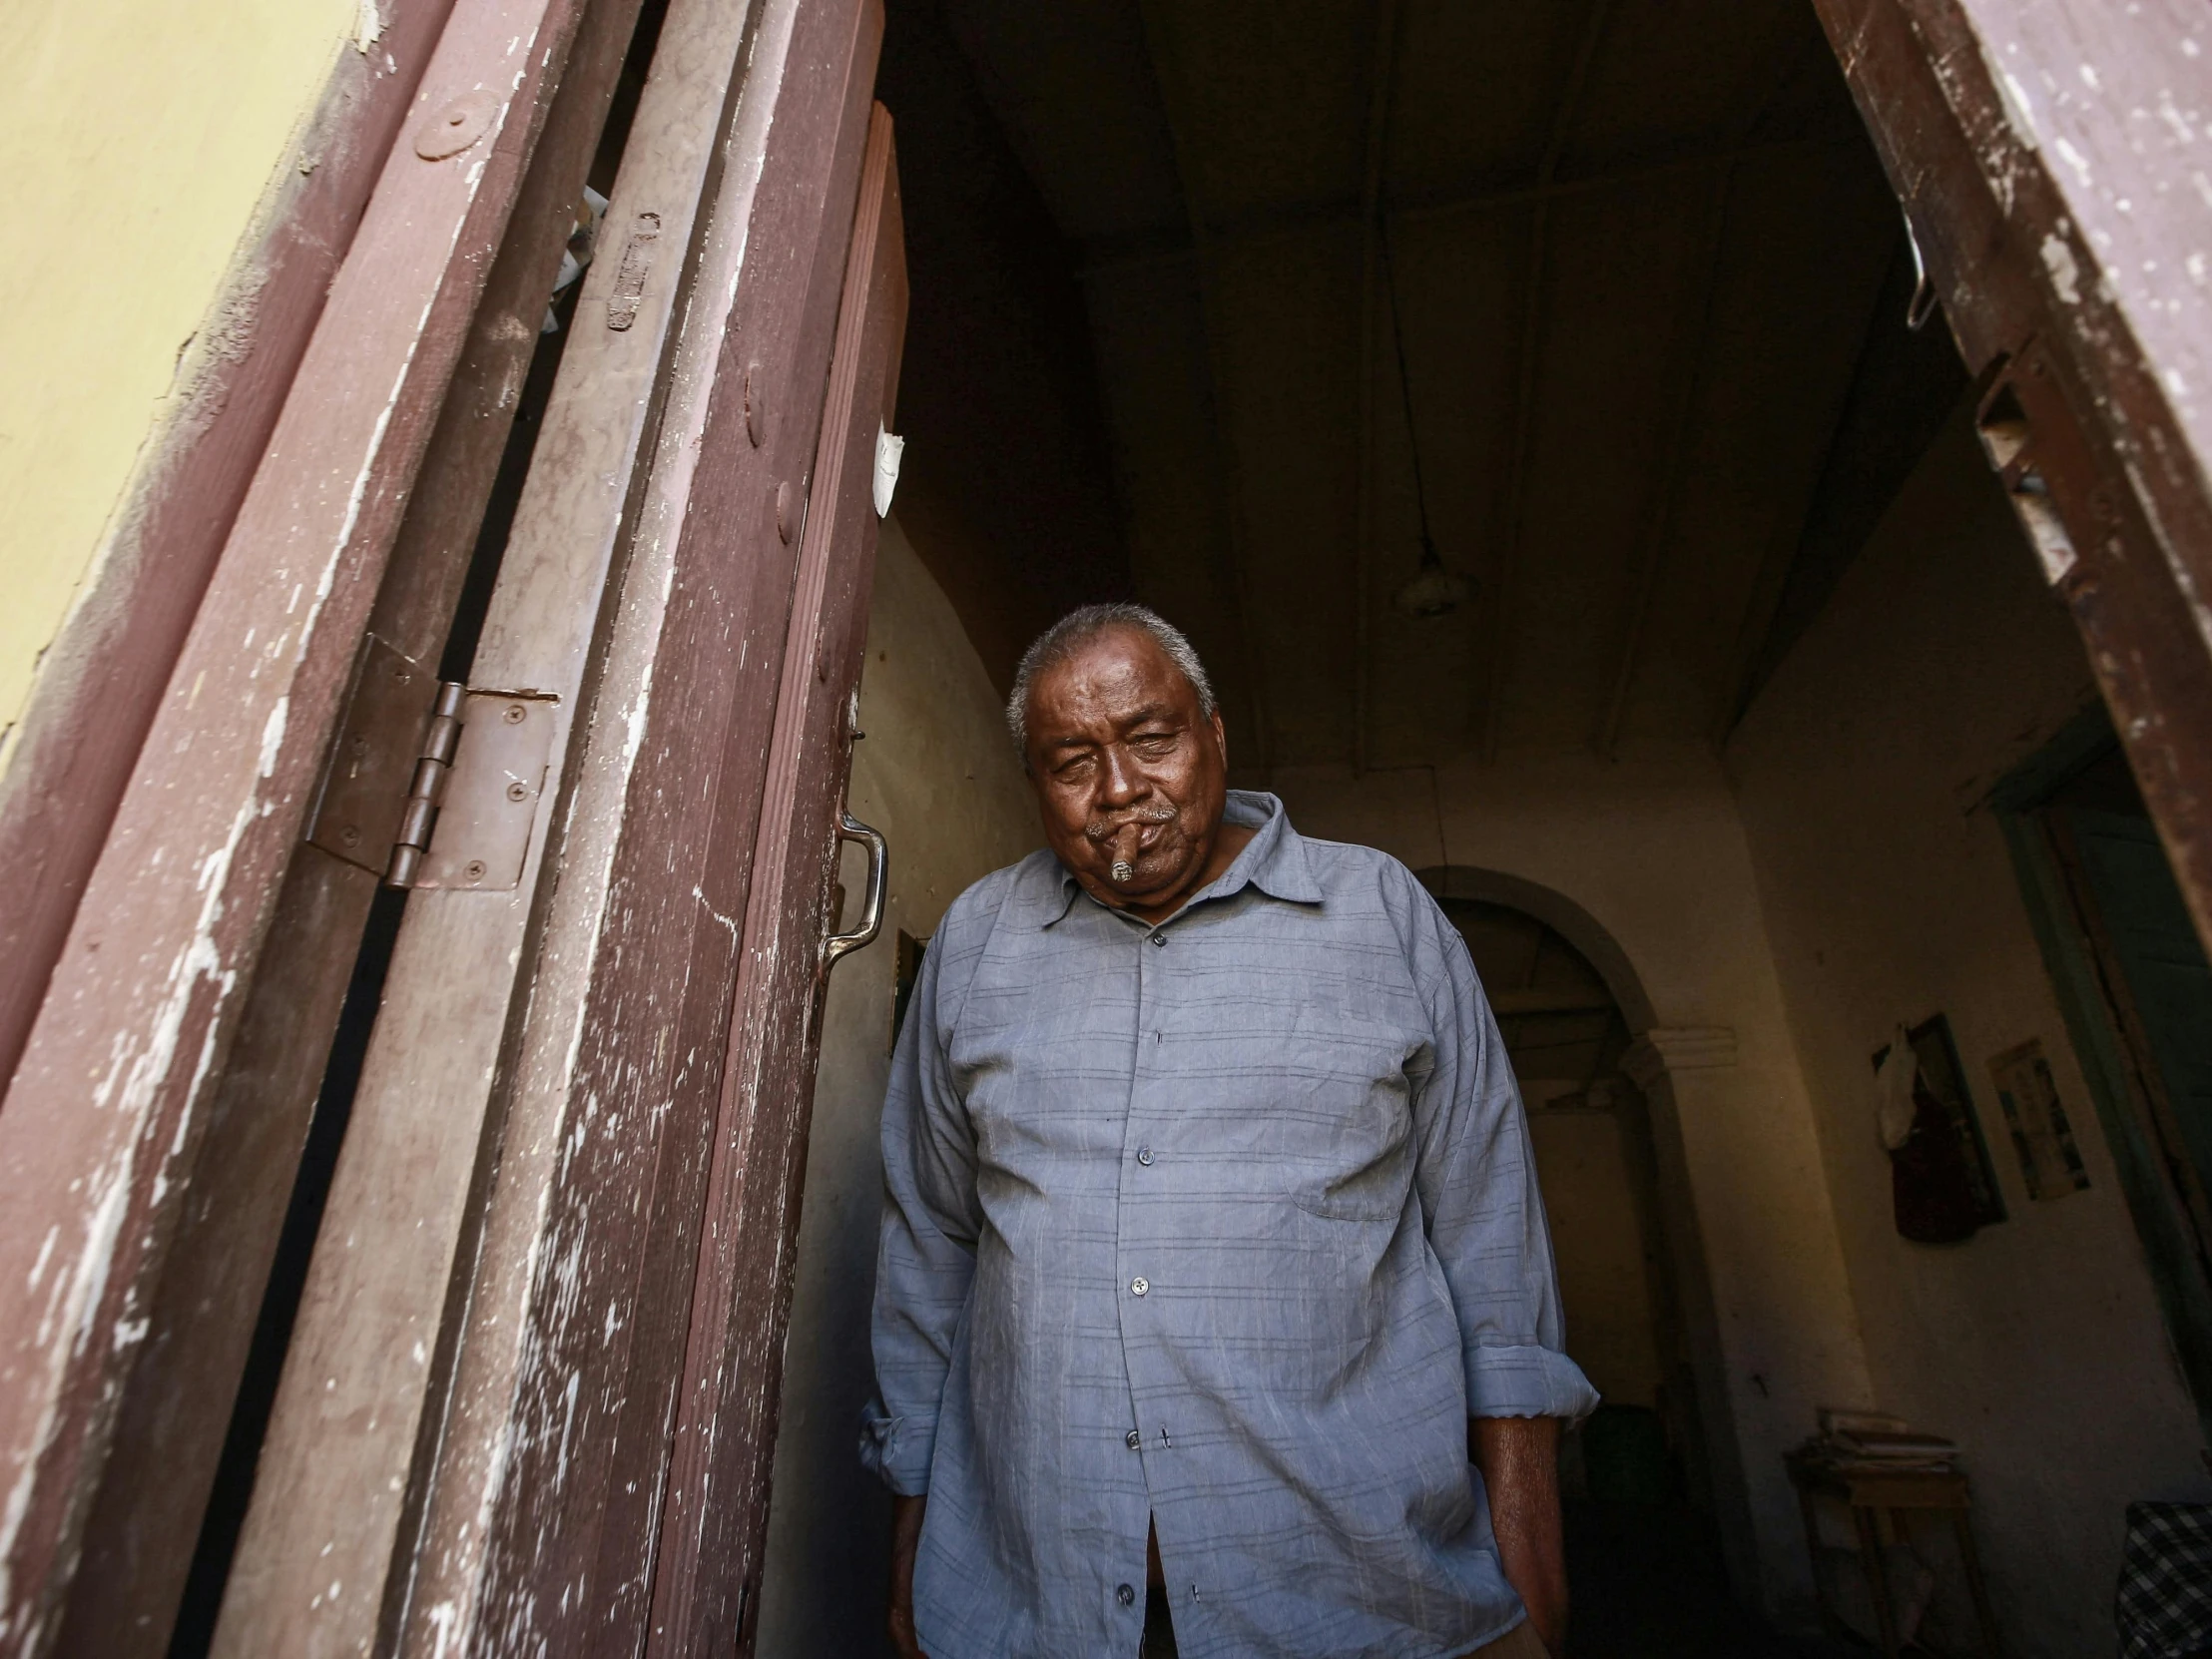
x=1373, y=1190
x=1347, y=1117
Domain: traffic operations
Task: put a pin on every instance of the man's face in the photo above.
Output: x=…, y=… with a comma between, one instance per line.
x=1130, y=775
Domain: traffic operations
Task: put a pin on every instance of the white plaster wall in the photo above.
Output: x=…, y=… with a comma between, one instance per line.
x=1653, y=851
x=937, y=773
x=1941, y=663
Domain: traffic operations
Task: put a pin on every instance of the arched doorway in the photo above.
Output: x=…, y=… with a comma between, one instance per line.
x=1569, y=1040
x=1651, y=1517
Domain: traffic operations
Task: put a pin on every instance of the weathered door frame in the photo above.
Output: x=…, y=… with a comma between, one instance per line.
x=696, y=463
x=107, y=1111
x=140, y=1539
x=2043, y=152
x=485, y=1390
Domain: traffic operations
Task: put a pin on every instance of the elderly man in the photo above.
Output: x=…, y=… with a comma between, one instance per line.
x=1211, y=1248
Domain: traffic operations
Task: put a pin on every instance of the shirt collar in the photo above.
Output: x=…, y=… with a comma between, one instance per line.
x=1274, y=860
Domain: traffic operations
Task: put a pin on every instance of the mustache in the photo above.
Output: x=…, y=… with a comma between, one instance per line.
x=1106, y=829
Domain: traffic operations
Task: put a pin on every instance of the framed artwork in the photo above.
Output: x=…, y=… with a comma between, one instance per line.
x=1943, y=1186
x=2042, y=1139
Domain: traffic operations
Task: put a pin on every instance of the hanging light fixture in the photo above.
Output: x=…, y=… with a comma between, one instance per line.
x=1434, y=590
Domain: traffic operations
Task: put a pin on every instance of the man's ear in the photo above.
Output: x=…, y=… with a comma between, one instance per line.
x=1221, y=739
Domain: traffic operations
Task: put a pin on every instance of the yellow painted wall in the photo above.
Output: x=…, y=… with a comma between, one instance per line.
x=137, y=141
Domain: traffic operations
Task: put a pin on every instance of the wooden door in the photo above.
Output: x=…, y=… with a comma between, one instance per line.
x=511, y=1377
x=149, y=1132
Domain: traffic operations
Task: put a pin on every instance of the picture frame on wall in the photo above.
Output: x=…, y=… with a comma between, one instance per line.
x=1944, y=1185
x=2034, y=1116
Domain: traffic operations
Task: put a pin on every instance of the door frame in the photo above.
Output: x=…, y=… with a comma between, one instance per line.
x=2174, y=1245
x=484, y=1431
x=2078, y=320
x=107, y=1109
x=140, y=1539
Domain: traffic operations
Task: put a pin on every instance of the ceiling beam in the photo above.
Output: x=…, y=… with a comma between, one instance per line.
x=1690, y=368
x=1781, y=549
x=1381, y=74
x=1112, y=255
x=1689, y=364
x=1497, y=655
x=1175, y=103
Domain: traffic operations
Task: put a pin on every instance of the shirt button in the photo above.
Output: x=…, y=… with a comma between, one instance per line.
x=1135, y=1439
x=1138, y=1287
x=1144, y=1156
x=1159, y=938
x=1126, y=1595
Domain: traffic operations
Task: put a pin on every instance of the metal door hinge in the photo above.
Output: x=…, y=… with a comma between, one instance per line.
x=431, y=784
x=419, y=815
x=2026, y=423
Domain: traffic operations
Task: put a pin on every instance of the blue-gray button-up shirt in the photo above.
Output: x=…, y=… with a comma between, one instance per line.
x=1228, y=1224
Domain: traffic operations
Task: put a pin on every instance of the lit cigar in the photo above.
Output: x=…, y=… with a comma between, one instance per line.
x=1122, y=872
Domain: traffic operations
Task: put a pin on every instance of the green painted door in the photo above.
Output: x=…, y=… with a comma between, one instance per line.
x=2154, y=946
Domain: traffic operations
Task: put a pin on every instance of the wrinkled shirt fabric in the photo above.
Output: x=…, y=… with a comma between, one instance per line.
x=1227, y=1225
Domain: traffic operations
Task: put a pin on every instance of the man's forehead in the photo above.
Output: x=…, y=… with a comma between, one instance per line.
x=1120, y=662
x=1111, y=695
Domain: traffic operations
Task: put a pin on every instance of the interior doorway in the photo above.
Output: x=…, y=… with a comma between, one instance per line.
x=2132, y=978
x=1643, y=1537
x=1595, y=1161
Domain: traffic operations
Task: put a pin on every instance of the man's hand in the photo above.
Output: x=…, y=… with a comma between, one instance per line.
x=905, y=1541
x=1519, y=1461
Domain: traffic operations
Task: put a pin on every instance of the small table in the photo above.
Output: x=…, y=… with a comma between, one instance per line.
x=1868, y=1487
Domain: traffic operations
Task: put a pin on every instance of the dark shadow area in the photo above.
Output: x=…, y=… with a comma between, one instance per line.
x=1006, y=490
x=1648, y=1583
x=1902, y=389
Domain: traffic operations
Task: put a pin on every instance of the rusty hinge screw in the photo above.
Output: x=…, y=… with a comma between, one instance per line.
x=420, y=815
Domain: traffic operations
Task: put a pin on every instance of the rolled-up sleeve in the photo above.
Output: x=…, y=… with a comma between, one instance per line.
x=925, y=1256
x=1477, y=1182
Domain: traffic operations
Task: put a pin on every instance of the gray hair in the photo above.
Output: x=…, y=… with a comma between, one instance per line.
x=1077, y=629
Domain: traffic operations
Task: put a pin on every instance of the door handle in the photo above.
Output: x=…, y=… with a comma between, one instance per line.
x=839, y=945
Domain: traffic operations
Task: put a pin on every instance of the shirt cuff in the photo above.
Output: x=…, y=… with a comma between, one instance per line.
x=1528, y=1382
x=897, y=1450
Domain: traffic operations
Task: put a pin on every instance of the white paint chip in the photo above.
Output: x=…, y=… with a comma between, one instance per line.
x=2066, y=275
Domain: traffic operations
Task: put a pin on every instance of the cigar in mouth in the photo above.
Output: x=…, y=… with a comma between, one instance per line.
x=1123, y=871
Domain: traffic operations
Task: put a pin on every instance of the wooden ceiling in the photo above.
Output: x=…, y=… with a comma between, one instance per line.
x=1638, y=254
